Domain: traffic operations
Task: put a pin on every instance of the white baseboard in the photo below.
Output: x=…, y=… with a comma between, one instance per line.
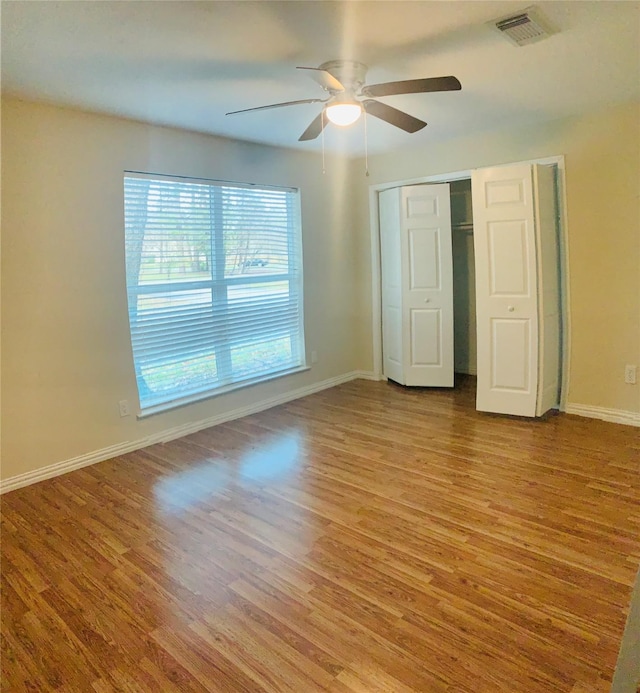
x=630, y=418
x=613, y=415
x=65, y=466
x=368, y=375
x=165, y=436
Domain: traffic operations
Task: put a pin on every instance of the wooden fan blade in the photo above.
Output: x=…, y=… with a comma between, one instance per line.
x=391, y=115
x=412, y=86
x=325, y=79
x=277, y=105
x=314, y=129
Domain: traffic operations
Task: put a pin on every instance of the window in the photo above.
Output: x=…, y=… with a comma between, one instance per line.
x=214, y=283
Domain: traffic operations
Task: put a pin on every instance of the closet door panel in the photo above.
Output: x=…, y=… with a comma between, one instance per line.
x=506, y=289
x=424, y=259
x=509, y=261
x=510, y=364
x=426, y=337
x=547, y=243
x=391, y=274
x=427, y=284
x=417, y=285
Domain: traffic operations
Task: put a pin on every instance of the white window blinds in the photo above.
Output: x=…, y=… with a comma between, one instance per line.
x=214, y=283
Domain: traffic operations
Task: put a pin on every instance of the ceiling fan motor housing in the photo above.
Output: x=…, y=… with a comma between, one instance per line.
x=350, y=73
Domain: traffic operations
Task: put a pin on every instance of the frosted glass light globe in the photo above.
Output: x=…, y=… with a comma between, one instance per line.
x=344, y=113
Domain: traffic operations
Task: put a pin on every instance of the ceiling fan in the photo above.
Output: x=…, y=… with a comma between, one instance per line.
x=344, y=80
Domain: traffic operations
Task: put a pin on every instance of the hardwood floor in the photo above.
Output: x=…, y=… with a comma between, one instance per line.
x=366, y=538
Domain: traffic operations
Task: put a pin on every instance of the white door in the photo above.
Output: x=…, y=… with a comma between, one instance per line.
x=417, y=285
x=548, y=289
x=505, y=211
x=391, y=270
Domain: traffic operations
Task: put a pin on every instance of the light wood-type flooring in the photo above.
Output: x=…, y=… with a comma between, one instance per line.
x=366, y=538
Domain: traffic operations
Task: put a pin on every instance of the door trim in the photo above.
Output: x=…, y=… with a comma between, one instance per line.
x=563, y=253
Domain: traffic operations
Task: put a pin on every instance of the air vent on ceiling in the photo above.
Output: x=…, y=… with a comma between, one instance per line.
x=525, y=27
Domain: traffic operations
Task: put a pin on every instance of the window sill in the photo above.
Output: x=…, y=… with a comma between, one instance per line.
x=210, y=394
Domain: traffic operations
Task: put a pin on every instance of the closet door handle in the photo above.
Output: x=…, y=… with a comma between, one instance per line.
x=427, y=300
x=511, y=309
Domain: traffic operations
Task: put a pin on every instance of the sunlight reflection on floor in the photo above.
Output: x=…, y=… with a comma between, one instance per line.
x=271, y=461
x=182, y=491
x=186, y=489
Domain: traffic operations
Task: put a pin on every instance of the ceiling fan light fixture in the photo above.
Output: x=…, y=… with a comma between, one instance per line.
x=344, y=113
x=349, y=97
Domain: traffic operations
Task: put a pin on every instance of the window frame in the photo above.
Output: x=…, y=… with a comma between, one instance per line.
x=219, y=285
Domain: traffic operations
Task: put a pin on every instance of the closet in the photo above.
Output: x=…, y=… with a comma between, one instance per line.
x=492, y=242
x=464, y=279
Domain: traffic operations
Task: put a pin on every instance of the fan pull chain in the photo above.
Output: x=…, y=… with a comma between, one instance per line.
x=322, y=131
x=366, y=149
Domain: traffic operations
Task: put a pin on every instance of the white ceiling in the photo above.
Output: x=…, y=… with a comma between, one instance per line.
x=185, y=64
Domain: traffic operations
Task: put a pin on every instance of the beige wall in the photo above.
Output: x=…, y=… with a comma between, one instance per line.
x=602, y=156
x=65, y=342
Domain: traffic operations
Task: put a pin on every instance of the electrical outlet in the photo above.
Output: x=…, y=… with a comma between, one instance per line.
x=630, y=374
x=314, y=357
x=123, y=406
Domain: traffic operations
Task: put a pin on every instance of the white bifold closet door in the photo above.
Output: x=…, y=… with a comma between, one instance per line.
x=517, y=292
x=417, y=285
